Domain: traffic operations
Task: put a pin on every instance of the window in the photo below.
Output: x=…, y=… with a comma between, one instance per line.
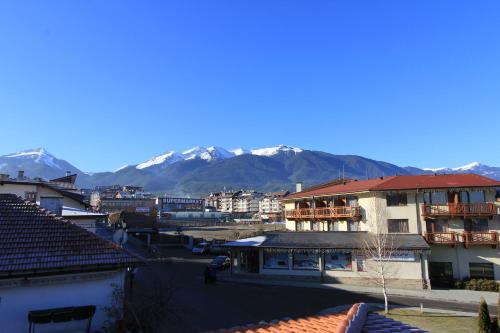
x=316, y=226
x=30, y=196
x=438, y=225
x=476, y=197
x=396, y=199
x=397, y=225
x=476, y=225
x=276, y=260
x=307, y=260
x=352, y=225
x=435, y=198
x=333, y=226
x=299, y=226
x=335, y=261
x=481, y=271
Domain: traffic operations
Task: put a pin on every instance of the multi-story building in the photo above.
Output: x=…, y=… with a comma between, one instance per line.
x=227, y=201
x=444, y=227
x=271, y=206
x=247, y=202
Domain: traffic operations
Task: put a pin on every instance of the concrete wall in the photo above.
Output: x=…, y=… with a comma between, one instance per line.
x=461, y=257
x=18, y=298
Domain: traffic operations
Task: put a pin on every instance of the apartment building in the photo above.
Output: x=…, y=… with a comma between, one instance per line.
x=271, y=206
x=247, y=202
x=444, y=227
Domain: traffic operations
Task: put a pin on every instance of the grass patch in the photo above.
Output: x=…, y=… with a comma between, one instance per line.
x=434, y=322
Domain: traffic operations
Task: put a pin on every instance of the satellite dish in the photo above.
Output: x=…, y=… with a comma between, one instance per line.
x=120, y=237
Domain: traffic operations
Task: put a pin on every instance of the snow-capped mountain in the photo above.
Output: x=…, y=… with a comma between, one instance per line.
x=276, y=150
x=474, y=167
x=164, y=159
x=210, y=154
x=36, y=163
x=38, y=155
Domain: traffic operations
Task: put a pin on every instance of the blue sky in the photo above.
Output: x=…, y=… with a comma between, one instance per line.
x=107, y=83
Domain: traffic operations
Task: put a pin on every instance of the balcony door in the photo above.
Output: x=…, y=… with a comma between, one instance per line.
x=437, y=225
x=476, y=225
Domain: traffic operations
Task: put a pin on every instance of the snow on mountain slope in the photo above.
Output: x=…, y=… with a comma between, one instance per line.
x=38, y=155
x=468, y=167
x=208, y=154
x=239, y=151
x=167, y=158
x=275, y=150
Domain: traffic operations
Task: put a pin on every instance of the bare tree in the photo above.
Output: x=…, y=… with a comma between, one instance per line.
x=379, y=249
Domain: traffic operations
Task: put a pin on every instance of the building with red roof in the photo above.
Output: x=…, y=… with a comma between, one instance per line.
x=445, y=227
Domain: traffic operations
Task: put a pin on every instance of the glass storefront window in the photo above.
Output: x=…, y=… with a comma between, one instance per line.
x=481, y=271
x=308, y=260
x=338, y=261
x=276, y=259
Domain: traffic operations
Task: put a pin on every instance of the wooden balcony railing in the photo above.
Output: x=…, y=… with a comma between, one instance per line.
x=480, y=238
x=324, y=213
x=450, y=238
x=460, y=209
x=468, y=238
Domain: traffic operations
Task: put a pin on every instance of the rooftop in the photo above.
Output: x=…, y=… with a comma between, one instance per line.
x=346, y=240
x=400, y=183
x=36, y=242
x=356, y=320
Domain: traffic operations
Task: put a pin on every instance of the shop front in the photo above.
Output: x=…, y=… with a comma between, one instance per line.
x=330, y=257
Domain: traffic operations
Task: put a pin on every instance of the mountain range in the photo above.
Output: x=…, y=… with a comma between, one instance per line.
x=199, y=170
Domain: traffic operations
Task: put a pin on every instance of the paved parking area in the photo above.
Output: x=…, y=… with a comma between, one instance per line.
x=202, y=307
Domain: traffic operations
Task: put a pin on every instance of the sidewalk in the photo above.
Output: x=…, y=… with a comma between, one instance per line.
x=445, y=295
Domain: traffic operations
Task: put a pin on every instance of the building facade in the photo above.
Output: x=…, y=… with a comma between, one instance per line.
x=63, y=277
x=450, y=221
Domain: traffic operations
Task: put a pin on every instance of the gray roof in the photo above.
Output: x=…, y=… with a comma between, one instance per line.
x=336, y=240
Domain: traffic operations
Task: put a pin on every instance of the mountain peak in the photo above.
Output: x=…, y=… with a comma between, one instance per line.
x=276, y=150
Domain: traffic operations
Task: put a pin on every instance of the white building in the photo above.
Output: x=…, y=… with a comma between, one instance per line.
x=60, y=196
x=63, y=277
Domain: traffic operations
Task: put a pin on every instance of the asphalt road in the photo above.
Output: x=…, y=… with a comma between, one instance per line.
x=196, y=307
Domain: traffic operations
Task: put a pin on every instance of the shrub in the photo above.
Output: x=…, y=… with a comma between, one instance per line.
x=476, y=284
x=483, y=318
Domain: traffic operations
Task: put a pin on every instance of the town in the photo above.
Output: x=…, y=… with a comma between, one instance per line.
x=74, y=259
x=249, y=166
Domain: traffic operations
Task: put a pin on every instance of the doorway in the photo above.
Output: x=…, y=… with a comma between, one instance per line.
x=441, y=274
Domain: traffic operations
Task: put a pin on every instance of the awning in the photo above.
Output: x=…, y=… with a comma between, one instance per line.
x=59, y=315
x=342, y=240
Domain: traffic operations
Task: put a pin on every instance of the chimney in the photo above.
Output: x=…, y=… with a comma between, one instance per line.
x=20, y=174
x=68, y=173
x=298, y=187
x=4, y=176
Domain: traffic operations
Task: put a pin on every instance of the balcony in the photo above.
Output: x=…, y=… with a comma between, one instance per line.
x=468, y=238
x=444, y=238
x=480, y=238
x=324, y=213
x=459, y=209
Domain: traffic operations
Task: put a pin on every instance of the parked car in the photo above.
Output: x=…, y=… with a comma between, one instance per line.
x=221, y=263
x=201, y=248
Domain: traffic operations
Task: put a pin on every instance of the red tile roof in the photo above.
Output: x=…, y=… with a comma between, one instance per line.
x=356, y=320
x=33, y=241
x=401, y=183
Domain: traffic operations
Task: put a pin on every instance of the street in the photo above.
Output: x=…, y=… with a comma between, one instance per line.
x=195, y=307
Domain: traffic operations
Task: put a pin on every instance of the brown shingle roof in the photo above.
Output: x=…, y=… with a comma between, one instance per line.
x=33, y=241
x=401, y=183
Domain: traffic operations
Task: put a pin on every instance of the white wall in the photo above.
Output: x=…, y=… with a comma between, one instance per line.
x=16, y=301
